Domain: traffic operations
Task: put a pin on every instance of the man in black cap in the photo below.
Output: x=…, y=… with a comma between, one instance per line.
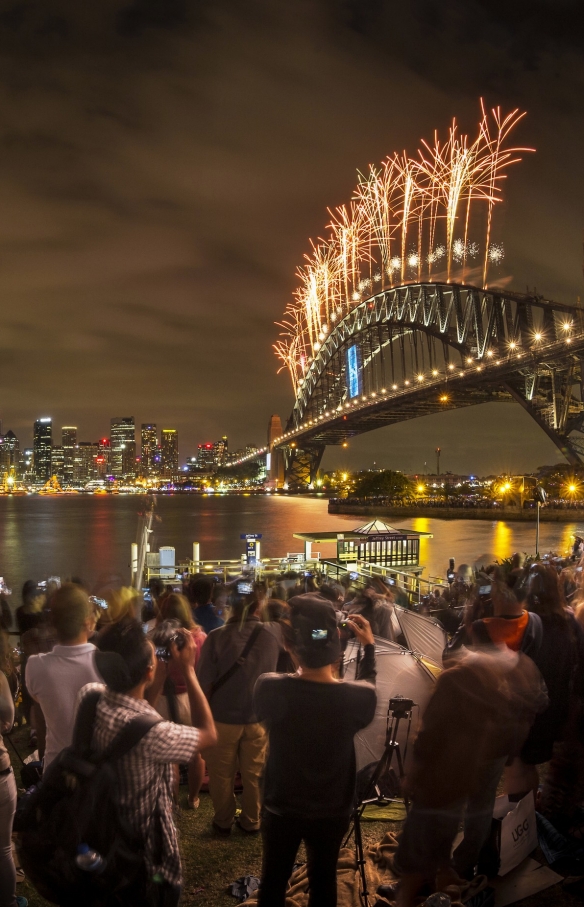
x=312, y=718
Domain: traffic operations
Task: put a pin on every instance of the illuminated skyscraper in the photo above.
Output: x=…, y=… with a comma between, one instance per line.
x=68, y=442
x=42, y=446
x=169, y=451
x=123, y=446
x=149, y=441
x=11, y=453
x=220, y=451
x=205, y=457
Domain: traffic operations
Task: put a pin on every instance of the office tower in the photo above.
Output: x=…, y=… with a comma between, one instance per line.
x=103, y=458
x=28, y=464
x=85, y=462
x=68, y=440
x=42, y=447
x=205, y=457
x=149, y=445
x=220, y=451
x=169, y=452
x=10, y=453
x=58, y=463
x=123, y=446
x=129, y=460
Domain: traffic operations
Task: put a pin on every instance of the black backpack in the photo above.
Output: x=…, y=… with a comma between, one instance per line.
x=76, y=804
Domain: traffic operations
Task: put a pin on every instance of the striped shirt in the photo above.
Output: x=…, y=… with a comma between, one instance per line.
x=145, y=775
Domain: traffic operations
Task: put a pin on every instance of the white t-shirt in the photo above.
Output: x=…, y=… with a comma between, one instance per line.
x=54, y=680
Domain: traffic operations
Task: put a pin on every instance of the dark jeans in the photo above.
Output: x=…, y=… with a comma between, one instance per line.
x=281, y=839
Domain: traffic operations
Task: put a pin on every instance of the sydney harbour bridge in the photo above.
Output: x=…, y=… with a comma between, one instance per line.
x=388, y=325
x=426, y=348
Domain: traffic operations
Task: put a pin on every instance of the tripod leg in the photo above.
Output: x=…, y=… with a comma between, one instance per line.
x=402, y=773
x=360, y=860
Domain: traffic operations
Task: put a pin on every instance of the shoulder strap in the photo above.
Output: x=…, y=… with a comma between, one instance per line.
x=533, y=636
x=129, y=737
x=236, y=664
x=84, y=721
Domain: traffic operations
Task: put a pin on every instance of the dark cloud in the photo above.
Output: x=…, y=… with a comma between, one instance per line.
x=163, y=164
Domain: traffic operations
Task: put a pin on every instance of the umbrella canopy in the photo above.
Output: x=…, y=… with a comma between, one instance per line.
x=424, y=635
x=399, y=673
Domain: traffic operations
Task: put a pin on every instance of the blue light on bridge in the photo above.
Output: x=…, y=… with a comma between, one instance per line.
x=353, y=371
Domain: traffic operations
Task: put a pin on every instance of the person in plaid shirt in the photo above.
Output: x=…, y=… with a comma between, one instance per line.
x=128, y=663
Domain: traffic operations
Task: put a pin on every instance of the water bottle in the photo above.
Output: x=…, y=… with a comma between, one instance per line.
x=89, y=860
x=438, y=899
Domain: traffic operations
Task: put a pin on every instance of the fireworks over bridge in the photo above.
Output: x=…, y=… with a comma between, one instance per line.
x=401, y=309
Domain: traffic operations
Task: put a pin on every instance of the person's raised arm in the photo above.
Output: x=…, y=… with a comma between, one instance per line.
x=362, y=630
x=200, y=712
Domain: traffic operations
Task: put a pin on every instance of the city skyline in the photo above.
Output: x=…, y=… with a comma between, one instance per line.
x=149, y=238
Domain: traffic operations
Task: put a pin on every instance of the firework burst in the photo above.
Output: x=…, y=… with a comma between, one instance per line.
x=409, y=219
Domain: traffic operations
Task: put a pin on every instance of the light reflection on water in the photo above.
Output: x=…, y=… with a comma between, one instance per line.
x=91, y=536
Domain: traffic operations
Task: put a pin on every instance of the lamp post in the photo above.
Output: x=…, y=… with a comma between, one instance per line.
x=539, y=497
x=437, y=461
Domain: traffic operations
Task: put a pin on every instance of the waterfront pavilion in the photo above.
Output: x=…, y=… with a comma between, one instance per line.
x=374, y=543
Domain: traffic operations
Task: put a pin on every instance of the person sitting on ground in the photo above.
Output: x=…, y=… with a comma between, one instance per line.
x=173, y=704
x=199, y=594
x=232, y=659
x=479, y=714
x=127, y=662
x=311, y=718
x=54, y=678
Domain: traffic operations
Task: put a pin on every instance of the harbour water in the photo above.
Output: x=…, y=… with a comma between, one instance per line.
x=90, y=536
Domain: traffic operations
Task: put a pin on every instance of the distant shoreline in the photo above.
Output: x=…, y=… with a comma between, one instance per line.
x=507, y=514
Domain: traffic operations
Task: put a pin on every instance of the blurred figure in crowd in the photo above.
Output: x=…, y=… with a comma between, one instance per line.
x=199, y=594
x=232, y=659
x=173, y=703
x=480, y=713
x=375, y=604
x=560, y=658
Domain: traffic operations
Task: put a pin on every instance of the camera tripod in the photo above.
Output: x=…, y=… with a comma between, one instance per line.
x=398, y=709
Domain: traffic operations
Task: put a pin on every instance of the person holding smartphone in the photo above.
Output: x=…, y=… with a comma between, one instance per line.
x=311, y=717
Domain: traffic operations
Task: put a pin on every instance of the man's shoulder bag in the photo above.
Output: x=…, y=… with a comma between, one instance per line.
x=221, y=681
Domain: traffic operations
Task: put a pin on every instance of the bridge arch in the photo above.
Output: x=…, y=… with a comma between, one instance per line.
x=421, y=348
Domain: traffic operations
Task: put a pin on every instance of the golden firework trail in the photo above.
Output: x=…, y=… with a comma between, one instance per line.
x=410, y=219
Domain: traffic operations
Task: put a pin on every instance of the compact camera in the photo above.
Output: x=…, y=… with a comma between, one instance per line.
x=164, y=635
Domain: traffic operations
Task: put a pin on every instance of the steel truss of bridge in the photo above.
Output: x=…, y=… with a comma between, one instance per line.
x=424, y=348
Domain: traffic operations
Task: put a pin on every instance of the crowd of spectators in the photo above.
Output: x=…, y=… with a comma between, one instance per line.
x=246, y=679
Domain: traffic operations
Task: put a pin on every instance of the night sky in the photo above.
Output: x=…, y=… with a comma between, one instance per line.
x=163, y=164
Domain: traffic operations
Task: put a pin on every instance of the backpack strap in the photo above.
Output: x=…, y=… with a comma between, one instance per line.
x=84, y=722
x=129, y=737
x=236, y=664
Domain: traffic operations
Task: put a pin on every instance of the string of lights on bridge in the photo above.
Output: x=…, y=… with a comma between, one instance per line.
x=452, y=371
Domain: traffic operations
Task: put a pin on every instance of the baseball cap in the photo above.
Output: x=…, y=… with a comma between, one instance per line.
x=314, y=625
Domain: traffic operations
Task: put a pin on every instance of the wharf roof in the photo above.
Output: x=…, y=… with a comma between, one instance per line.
x=374, y=531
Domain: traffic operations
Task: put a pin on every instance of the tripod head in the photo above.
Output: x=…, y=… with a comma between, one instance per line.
x=400, y=707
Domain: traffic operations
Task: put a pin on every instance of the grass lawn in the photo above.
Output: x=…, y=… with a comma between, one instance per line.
x=211, y=863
